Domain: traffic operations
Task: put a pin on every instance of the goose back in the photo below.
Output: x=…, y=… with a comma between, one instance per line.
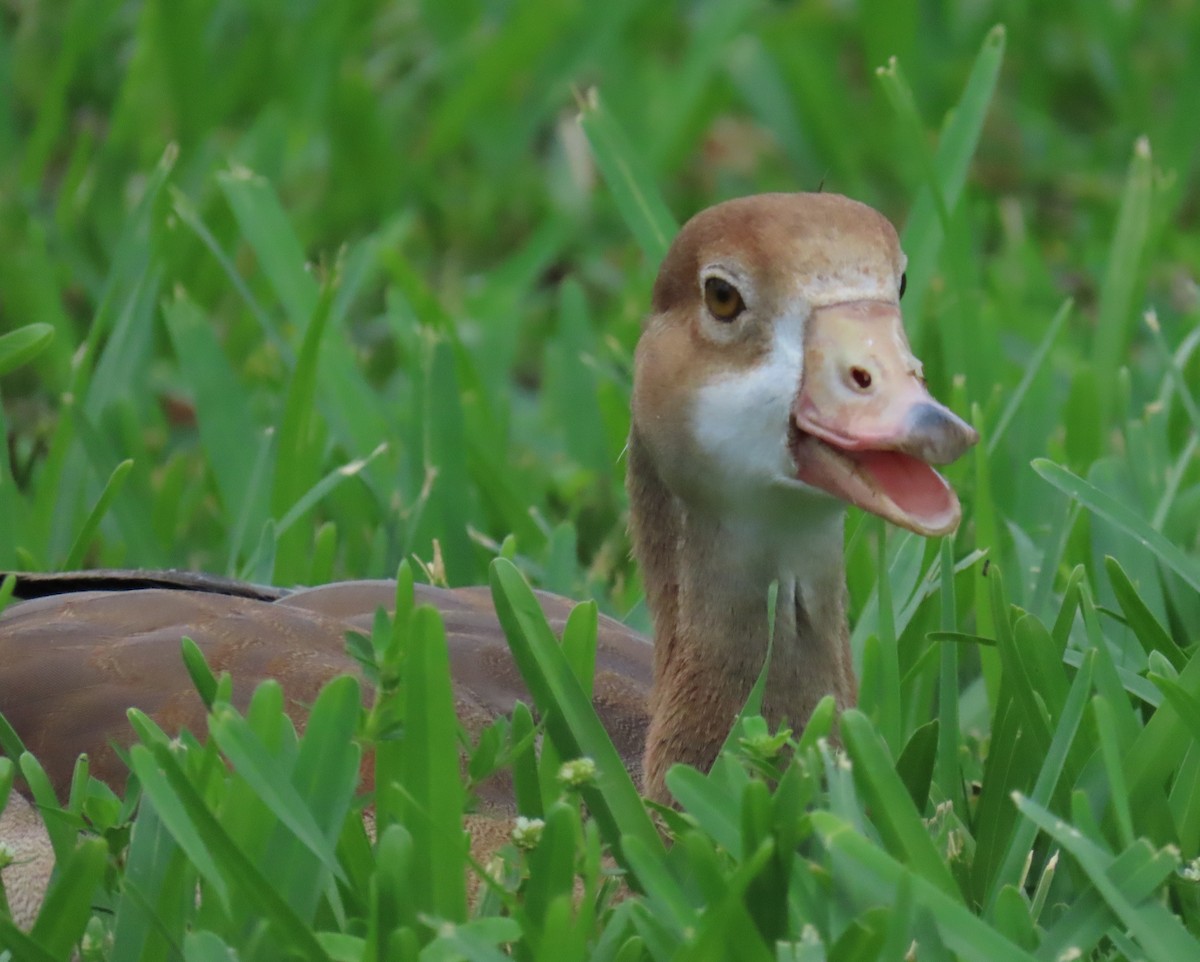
x=82, y=648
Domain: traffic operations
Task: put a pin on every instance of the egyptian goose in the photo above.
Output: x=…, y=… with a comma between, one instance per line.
x=773, y=385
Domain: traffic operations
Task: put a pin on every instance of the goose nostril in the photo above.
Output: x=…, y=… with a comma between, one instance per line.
x=861, y=376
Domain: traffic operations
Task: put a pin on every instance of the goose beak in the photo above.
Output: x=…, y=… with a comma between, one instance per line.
x=863, y=426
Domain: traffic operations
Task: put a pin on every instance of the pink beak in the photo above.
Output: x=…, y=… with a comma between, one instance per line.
x=865, y=429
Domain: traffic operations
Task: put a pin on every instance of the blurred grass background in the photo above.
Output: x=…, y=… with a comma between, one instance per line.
x=329, y=283
x=192, y=189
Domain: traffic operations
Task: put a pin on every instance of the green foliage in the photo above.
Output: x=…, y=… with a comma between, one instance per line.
x=298, y=292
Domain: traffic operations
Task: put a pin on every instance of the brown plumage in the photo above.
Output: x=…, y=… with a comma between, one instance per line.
x=72, y=663
x=773, y=385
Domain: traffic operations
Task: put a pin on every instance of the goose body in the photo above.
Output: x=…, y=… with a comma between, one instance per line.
x=85, y=647
x=773, y=386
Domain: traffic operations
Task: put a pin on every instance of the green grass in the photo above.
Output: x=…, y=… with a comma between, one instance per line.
x=298, y=292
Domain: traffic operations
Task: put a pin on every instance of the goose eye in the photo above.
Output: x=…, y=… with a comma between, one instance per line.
x=903, y=283
x=722, y=299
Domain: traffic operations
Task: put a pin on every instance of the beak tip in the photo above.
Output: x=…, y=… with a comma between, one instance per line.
x=939, y=435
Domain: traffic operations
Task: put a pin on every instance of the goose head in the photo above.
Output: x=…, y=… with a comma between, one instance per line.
x=774, y=375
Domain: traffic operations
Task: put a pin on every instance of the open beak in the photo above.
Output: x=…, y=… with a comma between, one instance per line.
x=865, y=429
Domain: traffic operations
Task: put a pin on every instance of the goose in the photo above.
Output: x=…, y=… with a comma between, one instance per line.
x=773, y=386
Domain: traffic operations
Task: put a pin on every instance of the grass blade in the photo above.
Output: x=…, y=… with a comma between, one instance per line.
x=1159, y=933
x=228, y=434
x=23, y=345
x=300, y=440
x=923, y=234
x=879, y=874
x=633, y=190
x=83, y=540
x=265, y=225
x=947, y=768
x=68, y=904
x=1110, y=509
x=1036, y=362
x=571, y=720
x=1021, y=842
x=1116, y=316
x=174, y=815
x=271, y=782
x=310, y=498
x=1145, y=626
x=191, y=820
x=431, y=773
x=898, y=821
x=1110, y=752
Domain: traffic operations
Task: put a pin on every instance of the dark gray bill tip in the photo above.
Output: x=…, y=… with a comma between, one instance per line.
x=937, y=435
